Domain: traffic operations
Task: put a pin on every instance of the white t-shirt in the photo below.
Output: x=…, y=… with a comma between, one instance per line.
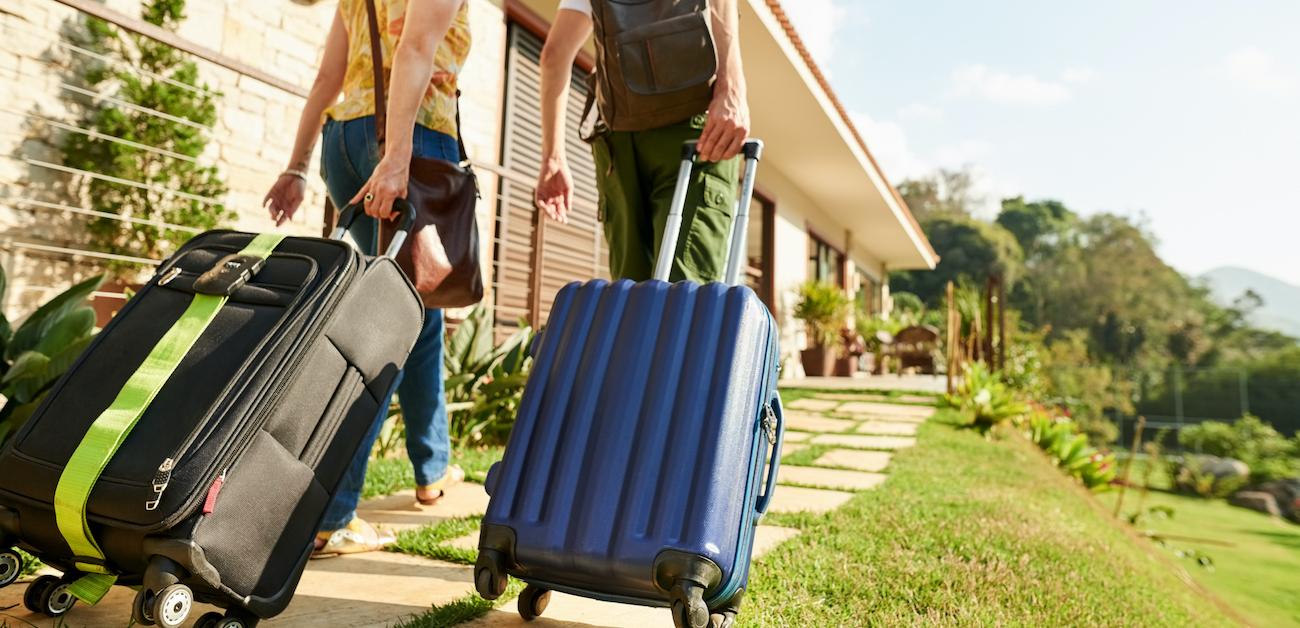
x=581, y=6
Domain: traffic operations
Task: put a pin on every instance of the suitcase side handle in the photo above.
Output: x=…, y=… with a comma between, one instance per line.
x=752, y=150
x=773, y=463
x=405, y=214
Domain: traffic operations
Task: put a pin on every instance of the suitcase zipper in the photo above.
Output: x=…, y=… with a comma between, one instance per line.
x=161, y=479
x=225, y=460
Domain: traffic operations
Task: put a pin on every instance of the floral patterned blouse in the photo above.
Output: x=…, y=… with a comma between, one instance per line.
x=438, y=107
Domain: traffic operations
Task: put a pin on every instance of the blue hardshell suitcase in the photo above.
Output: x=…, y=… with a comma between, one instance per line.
x=646, y=445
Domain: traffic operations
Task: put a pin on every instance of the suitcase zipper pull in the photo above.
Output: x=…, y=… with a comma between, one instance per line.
x=160, y=481
x=171, y=274
x=210, y=503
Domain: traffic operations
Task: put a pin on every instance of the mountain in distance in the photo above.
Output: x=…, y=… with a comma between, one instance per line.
x=1281, y=309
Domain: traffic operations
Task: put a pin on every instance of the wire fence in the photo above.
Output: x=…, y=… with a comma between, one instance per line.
x=1177, y=398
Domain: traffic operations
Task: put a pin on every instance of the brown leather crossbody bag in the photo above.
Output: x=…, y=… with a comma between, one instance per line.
x=441, y=255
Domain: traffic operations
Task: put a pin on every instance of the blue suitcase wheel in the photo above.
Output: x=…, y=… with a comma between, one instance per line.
x=533, y=601
x=489, y=574
x=689, y=610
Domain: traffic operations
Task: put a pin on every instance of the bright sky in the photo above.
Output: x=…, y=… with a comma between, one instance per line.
x=1186, y=112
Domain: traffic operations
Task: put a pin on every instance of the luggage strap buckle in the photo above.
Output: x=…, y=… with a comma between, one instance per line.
x=229, y=274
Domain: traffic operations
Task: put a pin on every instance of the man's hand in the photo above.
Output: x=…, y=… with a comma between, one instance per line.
x=727, y=126
x=554, y=193
x=387, y=183
x=284, y=198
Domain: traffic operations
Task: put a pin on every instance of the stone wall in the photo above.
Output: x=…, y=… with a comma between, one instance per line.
x=249, y=144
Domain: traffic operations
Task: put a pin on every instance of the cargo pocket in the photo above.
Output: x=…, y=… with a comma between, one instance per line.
x=667, y=56
x=704, y=256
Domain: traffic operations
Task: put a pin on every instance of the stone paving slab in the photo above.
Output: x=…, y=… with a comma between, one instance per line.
x=885, y=409
x=400, y=511
x=374, y=589
x=789, y=448
x=855, y=459
x=812, y=405
x=888, y=418
x=864, y=441
x=765, y=538
x=796, y=437
x=889, y=428
x=799, y=499
x=809, y=422
x=922, y=399
x=829, y=478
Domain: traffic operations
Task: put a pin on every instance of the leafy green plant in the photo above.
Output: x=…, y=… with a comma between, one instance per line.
x=1068, y=448
x=485, y=382
x=42, y=348
x=984, y=400
x=825, y=309
x=869, y=327
x=151, y=75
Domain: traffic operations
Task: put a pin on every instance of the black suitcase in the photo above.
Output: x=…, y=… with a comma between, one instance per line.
x=216, y=493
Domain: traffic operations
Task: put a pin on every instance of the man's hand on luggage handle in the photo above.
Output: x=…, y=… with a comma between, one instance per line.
x=554, y=193
x=284, y=198
x=387, y=183
x=727, y=126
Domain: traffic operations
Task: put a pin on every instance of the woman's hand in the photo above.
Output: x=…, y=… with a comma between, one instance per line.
x=284, y=198
x=387, y=183
x=554, y=192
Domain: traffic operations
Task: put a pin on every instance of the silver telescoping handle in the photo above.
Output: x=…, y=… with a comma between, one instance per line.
x=753, y=151
x=406, y=214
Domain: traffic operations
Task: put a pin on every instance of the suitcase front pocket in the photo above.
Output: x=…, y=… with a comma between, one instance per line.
x=345, y=396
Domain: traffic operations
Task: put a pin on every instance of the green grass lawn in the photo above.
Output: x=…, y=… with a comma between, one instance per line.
x=389, y=475
x=1259, y=574
x=970, y=532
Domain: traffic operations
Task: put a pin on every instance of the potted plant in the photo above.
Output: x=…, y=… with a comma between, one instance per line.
x=877, y=333
x=824, y=308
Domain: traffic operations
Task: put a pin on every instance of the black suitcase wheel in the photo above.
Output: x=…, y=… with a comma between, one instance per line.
x=533, y=601
x=171, y=606
x=32, y=596
x=142, y=607
x=689, y=610
x=11, y=566
x=209, y=620
x=489, y=578
x=722, y=620
x=57, y=598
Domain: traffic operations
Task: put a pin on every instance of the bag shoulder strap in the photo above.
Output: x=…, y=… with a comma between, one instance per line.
x=381, y=96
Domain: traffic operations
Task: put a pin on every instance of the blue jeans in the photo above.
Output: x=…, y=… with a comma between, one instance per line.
x=349, y=155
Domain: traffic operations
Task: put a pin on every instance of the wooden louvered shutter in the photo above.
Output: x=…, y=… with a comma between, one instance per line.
x=534, y=258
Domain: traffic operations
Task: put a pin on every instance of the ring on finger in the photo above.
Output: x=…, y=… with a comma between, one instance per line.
x=369, y=197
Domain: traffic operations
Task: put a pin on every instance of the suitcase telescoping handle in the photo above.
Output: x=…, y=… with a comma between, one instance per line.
x=752, y=150
x=405, y=214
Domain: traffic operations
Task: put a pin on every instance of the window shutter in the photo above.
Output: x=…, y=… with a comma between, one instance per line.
x=533, y=257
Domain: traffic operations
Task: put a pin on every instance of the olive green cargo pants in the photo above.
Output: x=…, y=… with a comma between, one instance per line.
x=636, y=172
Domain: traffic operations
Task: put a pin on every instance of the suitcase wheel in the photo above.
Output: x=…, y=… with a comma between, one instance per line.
x=11, y=566
x=49, y=595
x=533, y=601
x=722, y=620
x=689, y=610
x=229, y=620
x=489, y=575
x=171, y=606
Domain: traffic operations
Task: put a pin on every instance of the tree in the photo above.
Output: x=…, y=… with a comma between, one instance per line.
x=944, y=194
x=970, y=250
x=173, y=187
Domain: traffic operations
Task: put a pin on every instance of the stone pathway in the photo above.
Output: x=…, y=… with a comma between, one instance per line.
x=856, y=435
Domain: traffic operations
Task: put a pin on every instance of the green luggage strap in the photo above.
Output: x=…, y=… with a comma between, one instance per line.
x=111, y=428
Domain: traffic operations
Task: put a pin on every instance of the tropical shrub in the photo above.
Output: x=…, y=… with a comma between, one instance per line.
x=984, y=400
x=36, y=354
x=1062, y=441
x=484, y=381
x=825, y=309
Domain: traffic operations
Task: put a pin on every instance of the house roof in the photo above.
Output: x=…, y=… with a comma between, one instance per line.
x=779, y=13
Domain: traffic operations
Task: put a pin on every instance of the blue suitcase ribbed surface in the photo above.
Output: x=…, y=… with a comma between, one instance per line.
x=642, y=429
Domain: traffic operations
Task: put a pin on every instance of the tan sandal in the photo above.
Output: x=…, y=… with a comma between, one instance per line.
x=454, y=475
x=357, y=537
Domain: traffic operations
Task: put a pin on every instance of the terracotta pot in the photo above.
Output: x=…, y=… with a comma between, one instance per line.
x=105, y=306
x=818, y=361
x=846, y=366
